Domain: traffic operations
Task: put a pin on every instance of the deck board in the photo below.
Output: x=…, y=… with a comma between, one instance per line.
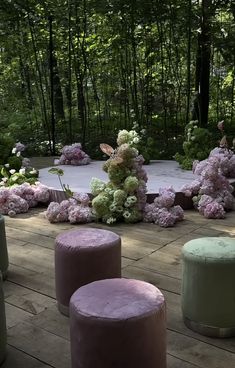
x=38, y=335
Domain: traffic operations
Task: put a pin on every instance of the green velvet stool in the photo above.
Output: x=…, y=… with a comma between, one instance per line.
x=3, y=334
x=208, y=286
x=3, y=249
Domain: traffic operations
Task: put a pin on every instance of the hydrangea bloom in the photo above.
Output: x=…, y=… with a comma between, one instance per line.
x=20, y=198
x=19, y=147
x=123, y=198
x=73, y=155
x=161, y=211
x=212, y=192
x=226, y=159
x=75, y=210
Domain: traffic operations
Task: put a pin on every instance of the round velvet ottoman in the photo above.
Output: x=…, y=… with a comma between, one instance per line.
x=118, y=323
x=3, y=249
x=83, y=256
x=3, y=335
x=208, y=287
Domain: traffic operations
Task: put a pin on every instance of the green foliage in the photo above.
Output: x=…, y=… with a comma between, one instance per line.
x=115, y=63
x=6, y=145
x=56, y=171
x=197, y=145
x=14, y=162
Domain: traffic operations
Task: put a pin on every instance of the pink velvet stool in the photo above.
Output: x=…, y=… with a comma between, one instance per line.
x=118, y=323
x=83, y=256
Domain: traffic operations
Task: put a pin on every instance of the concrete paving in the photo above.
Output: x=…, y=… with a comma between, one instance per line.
x=160, y=174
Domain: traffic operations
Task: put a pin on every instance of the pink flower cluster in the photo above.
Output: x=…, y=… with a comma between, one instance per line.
x=75, y=210
x=74, y=155
x=20, y=198
x=212, y=192
x=19, y=147
x=141, y=174
x=226, y=159
x=161, y=211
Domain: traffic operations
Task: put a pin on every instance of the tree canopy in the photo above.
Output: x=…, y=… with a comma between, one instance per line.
x=80, y=71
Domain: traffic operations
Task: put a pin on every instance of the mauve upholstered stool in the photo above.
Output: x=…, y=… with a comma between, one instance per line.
x=118, y=323
x=83, y=256
x=3, y=334
x=3, y=249
x=208, y=288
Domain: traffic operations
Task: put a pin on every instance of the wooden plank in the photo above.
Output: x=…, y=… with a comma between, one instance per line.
x=173, y=362
x=52, y=321
x=199, y=353
x=32, y=257
x=15, y=315
x=161, y=281
x=39, y=282
x=163, y=263
x=29, y=237
x=40, y=344
x=17, y=359
x=26, y=299
x=126, y=262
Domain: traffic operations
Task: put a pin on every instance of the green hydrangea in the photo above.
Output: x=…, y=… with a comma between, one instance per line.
x=97, y=186
x=100, y=204
x=118, y=199
x=197, y=145
x=131, y=183
x=120, y=196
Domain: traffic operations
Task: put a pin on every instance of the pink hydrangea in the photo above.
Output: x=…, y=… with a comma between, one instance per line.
x=161, y=211
x=212, y=190
x=11, y=203
x=19, y=199
x=75, y=210
x=74, y=155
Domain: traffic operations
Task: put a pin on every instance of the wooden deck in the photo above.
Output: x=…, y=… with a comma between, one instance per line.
x=38, y=336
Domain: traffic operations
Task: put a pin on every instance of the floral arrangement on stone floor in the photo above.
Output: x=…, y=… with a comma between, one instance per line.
x=225, y=154
x=75, y=209
x=162, y=211
x=73, y=155
x=20, y=198
x=197, y=145
x=123, y=198
x=212, y=192
x=17, y=169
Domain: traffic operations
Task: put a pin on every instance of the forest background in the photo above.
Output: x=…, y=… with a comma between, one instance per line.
x=79, y=71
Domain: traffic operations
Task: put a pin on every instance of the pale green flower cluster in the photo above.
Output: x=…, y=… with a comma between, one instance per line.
x=130, y=137
x=123, y=197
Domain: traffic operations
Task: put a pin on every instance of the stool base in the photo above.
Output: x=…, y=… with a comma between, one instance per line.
x=63, y=309
x=211, y=331
x=4, y=275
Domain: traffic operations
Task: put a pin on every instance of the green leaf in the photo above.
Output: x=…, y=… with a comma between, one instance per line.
x=56, y=171
x=68, y=191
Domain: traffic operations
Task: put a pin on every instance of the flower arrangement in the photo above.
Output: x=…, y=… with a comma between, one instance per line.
x=212, y=192
x=73, y=155
x=20, y=198
x=196, y=146
x=225, y=154
x=17, y=170
x=75, y=209
x=162, y=211
x=123, y=198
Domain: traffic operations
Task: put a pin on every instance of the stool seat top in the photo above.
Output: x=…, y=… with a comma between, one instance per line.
x=117, y=299
x=211, y=249
x=86, y=238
